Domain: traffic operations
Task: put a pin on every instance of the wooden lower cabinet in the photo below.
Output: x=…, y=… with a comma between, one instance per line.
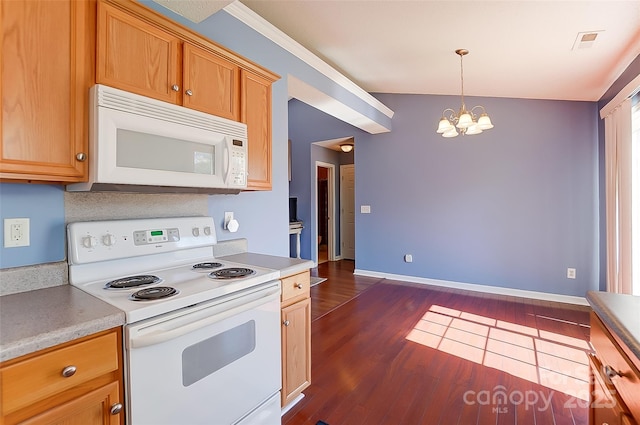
x=296, y=336
x=614, y=380
x=79, y=382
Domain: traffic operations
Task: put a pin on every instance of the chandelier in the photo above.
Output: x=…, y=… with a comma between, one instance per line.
x=465, y=120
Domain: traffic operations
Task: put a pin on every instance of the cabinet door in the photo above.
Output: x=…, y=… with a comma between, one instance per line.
x=211, y=84
x=296, y=349
x=136, y=56
x=256, y=113
x=93, y=408
x=47, y=61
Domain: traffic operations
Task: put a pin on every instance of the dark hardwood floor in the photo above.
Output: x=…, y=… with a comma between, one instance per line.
x=387, y=352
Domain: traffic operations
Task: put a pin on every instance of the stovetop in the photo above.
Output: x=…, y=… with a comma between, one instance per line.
x=101, y=252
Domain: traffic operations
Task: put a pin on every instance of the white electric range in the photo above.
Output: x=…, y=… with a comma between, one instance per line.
x=202, y=336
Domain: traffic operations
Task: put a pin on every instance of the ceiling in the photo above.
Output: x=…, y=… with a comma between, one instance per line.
x=518, y=48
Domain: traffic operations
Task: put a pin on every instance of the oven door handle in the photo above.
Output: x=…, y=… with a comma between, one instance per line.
x=172, y=328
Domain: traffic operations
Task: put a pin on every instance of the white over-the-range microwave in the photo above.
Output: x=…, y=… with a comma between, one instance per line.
x=139, y=144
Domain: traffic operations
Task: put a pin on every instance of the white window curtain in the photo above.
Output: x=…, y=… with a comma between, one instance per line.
x=618, y=132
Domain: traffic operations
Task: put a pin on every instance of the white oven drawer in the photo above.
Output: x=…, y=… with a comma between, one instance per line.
x=213, y=369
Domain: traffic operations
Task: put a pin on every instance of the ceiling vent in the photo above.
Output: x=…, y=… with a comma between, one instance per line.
x=586, y=40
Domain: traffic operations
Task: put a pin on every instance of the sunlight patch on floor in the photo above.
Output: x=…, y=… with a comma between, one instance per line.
x=555, y=361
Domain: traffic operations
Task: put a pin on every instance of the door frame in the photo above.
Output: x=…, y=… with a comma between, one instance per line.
x=331, y=202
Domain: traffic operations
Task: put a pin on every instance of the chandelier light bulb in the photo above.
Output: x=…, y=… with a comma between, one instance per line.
x=444, y=125
x=464, y=120
x=484, y=122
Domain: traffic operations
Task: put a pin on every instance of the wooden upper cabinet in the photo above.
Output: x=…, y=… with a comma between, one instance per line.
x=146, y=53
x=211, y=84
x=256, y=113
x=137, y=57
x=47, y=56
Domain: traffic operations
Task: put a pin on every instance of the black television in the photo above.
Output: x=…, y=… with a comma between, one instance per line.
x=293, y=209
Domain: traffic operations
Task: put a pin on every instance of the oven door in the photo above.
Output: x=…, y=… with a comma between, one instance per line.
x=212, y=363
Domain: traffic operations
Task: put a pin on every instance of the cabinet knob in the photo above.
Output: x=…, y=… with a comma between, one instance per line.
x=610, y=372
x=69, y=371
x=286, y=323
x=116, y=408
x=189, y=92
x=299, y=285
x=175, y=87
x=81, y=156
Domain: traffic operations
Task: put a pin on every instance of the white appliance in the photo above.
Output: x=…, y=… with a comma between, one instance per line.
x=202, y=346
x=139, y=144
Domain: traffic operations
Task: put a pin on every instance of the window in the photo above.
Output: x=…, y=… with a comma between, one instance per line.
x=635, y=194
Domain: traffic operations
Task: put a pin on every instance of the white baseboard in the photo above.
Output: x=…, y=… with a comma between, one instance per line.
x=569, y=299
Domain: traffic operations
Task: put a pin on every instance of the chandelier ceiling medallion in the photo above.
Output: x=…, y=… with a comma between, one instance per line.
x=465, y=120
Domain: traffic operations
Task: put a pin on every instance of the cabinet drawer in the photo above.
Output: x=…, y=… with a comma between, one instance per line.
x=627, y=382
x=296, y=286
x=39, y=377
x=606, y=405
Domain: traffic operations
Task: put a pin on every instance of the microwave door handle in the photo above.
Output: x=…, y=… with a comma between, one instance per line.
x=225, y=161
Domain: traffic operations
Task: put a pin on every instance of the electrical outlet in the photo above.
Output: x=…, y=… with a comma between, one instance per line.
x=228, y=216
x=571, y=273
x=408, y=258
x=16, y=232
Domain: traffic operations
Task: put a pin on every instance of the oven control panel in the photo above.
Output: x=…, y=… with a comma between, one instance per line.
x=94, y=241
x=144, y=237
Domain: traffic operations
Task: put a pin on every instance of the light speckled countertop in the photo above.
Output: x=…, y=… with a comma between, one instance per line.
x=286, y=265
x=34, y=320
x=621, y=314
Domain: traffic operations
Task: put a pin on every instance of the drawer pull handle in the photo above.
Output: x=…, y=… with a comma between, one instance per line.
x=116, y=408
x=610, y=372
x=299, y=285
x=69, y=371
x=286, y=323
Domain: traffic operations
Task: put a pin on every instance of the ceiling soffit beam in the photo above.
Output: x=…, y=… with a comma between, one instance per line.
x=262, y=26
x=329, y=105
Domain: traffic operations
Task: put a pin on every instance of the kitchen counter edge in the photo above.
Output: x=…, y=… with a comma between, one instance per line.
x=43, y=318
x=286, y=265
x=621, y=314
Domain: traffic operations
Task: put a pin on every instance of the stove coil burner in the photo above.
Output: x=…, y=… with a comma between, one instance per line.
x=155, y=293
x=206, y=266
x=132, y=282
x=231, y=273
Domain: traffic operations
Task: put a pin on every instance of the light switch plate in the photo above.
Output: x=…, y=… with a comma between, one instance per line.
x=365, y=209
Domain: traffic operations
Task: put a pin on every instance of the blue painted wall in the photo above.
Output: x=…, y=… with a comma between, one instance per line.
x=513, y=207
x=44, y=205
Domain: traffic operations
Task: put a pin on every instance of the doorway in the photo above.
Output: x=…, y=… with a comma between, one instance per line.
x=325, y=202
x=347, y=212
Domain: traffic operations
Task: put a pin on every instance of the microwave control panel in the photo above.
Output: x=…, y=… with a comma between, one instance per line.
x=238, y=164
